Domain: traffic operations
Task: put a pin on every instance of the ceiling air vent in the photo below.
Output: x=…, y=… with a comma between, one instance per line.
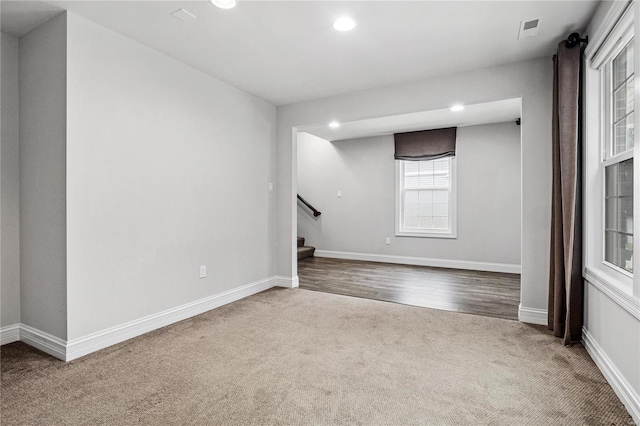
x=529, y=28
x=183, y=15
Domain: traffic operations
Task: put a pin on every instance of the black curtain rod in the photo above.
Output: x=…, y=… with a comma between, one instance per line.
x=574, y=39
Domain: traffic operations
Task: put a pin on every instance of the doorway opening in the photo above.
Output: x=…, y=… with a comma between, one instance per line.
x=348, y=173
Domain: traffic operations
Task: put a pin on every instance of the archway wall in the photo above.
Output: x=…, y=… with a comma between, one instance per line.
x=531, y=80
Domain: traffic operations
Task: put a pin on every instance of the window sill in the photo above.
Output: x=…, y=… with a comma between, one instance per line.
x=426, y=234
x=616, y=290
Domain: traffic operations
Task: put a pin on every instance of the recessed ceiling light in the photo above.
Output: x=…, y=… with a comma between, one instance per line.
x=457, y=108
x=334, y=124
x=344, y=24
x=224, y=4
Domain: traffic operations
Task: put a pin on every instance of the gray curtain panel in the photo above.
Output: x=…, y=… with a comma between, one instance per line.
x=425, y=144
x=565, y=275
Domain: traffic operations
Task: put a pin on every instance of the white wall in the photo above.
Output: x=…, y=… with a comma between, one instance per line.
x=9, y=185
x=488, y=197
x=167, y=169
x=611, y=331
x=43, y=70
x=531, y=80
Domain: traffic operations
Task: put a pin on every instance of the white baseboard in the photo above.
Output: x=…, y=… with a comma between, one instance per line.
x=75, y=348
x=286, y=282
x=627, y=394
x=422, y=261
x=532, y=315
x=47, y=343
x=102, y=339
x=9, y=334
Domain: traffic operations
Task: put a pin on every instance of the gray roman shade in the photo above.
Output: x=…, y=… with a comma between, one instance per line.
x=426, y=144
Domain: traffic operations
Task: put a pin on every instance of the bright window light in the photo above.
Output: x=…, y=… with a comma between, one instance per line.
x=334, y=124
x=457, y=108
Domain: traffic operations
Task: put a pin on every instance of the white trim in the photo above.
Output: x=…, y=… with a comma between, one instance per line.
x=9, y=334
x=426, y=234
x=422, y=261
x=629, y=397
x=618, y=158
x=532, y=315
x=47, y=343
x=452, y=229
x=102, y=339
x=601, y=40
x=625, y=300
x=72, y=349
x=286, y=282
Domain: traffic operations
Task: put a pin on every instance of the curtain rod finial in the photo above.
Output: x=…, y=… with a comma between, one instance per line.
x=574, y=39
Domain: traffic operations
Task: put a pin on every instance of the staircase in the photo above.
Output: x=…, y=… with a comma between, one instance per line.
x=304, y=251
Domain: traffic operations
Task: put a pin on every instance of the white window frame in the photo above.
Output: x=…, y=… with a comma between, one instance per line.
x=604, y=47
x=451, y=231
x=607, y=140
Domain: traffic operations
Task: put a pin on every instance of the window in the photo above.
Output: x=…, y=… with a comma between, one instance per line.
x=426, y=198
x=609, y=146
x=617, y=161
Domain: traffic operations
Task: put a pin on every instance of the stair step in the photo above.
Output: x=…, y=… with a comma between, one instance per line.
x=300, y=241
x=304, y=252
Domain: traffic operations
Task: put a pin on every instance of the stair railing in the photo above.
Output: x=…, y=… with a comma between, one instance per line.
x=316, y=213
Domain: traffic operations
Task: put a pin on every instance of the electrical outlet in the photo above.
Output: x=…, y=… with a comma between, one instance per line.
x=203, y=271
x=270, y=186
x=339, y=194
x=387, y=241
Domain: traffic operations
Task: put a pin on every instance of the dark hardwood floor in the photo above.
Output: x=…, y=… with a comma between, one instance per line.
x=474, y=292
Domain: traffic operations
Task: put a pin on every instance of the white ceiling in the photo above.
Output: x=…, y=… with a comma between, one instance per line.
x=484, y=113
x=287, y=51
x=19, y=17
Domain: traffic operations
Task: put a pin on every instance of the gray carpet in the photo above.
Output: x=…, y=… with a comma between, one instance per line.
x=297, y=357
